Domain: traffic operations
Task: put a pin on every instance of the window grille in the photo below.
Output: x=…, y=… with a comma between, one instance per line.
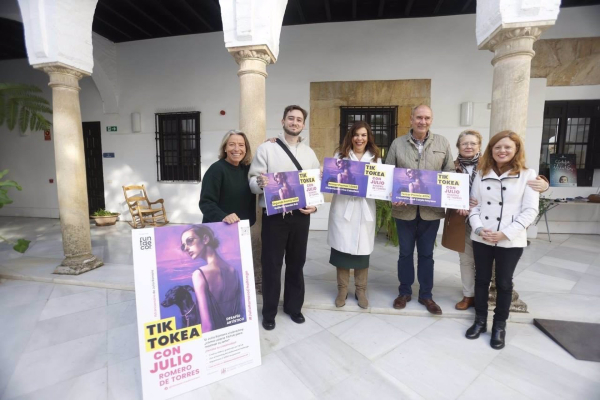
x=383, y=122
x=572, y=127
x=178, y=147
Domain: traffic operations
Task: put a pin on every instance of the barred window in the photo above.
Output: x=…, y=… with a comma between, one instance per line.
x=178, y=147
x=572, y=127
x=383, y=122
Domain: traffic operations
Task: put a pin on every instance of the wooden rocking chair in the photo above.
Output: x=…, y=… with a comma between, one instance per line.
x=141, y=209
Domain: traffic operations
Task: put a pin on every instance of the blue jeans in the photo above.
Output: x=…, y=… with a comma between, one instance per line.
x=422, y=233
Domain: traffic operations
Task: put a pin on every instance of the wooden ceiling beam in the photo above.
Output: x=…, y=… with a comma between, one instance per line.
x=127, y=20
x=408, y=7
x=145, y=14
x=300, y=11
x=198, y=16
x=172, y=16
x=111, y=26
x=381, y=8
x=327, y=10
x=467, y=4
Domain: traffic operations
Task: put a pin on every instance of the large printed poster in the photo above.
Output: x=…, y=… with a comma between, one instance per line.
x=563, y=170
x=357, y=178
x=287, y=191
x=431, y=188
x=196, y=305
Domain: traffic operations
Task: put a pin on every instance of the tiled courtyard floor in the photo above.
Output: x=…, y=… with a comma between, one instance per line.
x=75, y=337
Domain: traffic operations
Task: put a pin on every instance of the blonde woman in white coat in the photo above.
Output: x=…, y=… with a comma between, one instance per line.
x=351, y=232
x=506, y=206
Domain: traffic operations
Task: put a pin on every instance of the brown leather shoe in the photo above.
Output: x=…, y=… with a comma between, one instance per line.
x=431, y=305
x=465, y=303
x=401, y=301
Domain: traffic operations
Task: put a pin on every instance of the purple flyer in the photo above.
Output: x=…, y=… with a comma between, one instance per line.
x=288, y=191
x=431, y=188
x=341, y=176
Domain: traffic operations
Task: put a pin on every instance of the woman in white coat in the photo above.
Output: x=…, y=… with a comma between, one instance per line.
x=506, y=206
x=351, y=232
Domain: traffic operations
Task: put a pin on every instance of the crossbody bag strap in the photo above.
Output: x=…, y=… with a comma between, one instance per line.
x=289, y=153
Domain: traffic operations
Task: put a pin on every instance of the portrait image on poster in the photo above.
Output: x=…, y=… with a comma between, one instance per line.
x=284, y=192
x=418, y=187
x=195, y=264
x=341, y=176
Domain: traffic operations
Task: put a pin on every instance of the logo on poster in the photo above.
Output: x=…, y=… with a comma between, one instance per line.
x=146, y=243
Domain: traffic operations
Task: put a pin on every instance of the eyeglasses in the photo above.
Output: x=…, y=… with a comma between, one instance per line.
x=188, y=242
x=469, y=144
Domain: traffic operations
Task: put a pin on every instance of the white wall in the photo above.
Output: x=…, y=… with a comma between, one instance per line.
x=195, y=72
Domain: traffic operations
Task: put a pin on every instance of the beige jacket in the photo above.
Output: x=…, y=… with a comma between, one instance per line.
x=437, y=156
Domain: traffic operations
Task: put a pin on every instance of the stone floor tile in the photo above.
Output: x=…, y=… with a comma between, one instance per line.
x=90, y=386
x=490, y=389
x=537, y=378
x=272, y=380
x=74, y=303
x=125, y=380
x=369, y=335
x=46, y=367
x=411, y=363
x=321, y=361
x=65, y=328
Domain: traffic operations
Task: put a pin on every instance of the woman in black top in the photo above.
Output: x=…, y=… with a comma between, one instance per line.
x=225, y=194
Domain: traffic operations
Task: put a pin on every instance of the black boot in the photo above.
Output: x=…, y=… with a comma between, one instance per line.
x=478, y=327
x=498, y=335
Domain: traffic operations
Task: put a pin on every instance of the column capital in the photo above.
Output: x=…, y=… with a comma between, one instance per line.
x=252, y=59
x=62, y=75
x=513, y=40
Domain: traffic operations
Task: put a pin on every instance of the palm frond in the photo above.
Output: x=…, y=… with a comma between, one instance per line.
x=22, y=104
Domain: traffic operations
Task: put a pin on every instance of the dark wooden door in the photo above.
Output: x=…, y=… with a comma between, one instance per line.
x=92, y=143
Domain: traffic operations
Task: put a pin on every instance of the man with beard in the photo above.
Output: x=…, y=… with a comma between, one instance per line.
x=283, y=235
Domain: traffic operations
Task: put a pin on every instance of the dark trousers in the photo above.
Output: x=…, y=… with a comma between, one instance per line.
x=422, y=233
x=506, y=262
x=283, y=237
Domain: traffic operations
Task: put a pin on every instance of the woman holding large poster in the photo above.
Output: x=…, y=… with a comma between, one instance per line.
x=225, y=194
x=506, y=206
x=217, y=284
x=351, y=233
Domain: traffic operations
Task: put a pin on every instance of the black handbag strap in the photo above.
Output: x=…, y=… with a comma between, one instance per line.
x=289, y=153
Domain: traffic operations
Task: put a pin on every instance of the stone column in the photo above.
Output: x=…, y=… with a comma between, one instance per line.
x=70, y=169
x=513, y=52
x=253, y=61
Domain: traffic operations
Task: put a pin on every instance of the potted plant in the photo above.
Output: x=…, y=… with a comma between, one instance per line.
x=103, y=217
x=385, y=220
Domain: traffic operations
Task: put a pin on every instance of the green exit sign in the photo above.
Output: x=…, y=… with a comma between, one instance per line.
x=111, y=129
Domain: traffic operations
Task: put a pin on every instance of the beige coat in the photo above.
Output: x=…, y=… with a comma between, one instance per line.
x=352, y=220
x=437, y=156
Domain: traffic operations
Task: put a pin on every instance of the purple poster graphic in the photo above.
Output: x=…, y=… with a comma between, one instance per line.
x=196, y=306
x=284, y=193
x=344, y=177
x=418, y=187
x=196, y=263
x=431, y=188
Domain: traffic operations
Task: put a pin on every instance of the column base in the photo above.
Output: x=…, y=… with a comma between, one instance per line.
x=77, y=265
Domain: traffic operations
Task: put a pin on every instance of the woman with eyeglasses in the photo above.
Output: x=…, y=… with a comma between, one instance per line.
x=217, y=285
x=226, y=194
x=457, y=231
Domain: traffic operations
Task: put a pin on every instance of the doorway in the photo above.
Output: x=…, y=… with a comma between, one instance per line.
x=92, y=143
